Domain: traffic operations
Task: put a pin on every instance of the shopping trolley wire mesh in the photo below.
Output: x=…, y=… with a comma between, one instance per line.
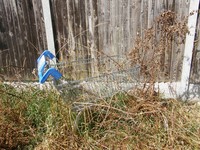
x=78, y=81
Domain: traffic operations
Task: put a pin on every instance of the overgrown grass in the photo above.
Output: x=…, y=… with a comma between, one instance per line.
x=28, y=117
x=139, y=119
x=35, y=119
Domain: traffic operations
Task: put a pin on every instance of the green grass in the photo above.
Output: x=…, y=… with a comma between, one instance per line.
x=35, y=119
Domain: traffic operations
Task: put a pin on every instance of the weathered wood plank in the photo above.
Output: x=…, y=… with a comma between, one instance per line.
x=189, y=45
x=86, y=29
x=111, y=27
x=22, y=36
x=195, y=70
x=4, y=49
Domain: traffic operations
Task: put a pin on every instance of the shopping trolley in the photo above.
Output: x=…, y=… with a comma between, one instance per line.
x=90, y=88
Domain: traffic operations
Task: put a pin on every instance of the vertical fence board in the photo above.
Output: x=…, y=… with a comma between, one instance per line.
x=83, y=29
x=195, y=70
x=110, y=27
x=23, y=31
x=3, y=42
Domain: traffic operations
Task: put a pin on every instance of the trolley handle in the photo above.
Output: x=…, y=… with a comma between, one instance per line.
x=42, y=64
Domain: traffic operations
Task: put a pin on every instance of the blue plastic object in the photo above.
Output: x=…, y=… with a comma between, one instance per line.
x=41, y=61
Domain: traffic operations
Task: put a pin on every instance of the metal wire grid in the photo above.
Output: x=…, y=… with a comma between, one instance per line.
x=107, y=82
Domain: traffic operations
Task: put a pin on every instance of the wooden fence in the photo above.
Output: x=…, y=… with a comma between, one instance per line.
x=22, y=36
x=92, y=27
x=195, y=72
x=84, y=29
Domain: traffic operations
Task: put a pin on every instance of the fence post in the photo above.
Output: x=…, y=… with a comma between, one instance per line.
x=48, y=26
x=189, y=45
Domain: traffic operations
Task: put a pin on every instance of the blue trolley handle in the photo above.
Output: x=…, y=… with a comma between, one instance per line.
x=42, y=63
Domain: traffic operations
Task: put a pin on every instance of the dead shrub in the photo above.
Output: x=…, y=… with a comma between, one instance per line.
x=153, y=50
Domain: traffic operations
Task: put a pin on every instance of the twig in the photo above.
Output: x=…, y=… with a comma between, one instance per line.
x=119, y=110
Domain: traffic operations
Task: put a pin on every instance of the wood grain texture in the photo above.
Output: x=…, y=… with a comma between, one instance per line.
x=195, y=70
x=84, y=29
x=99, y=28
x=22, y=34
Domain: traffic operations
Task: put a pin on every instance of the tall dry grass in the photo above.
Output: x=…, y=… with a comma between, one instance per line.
x=42, y=120
x=39, y=119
